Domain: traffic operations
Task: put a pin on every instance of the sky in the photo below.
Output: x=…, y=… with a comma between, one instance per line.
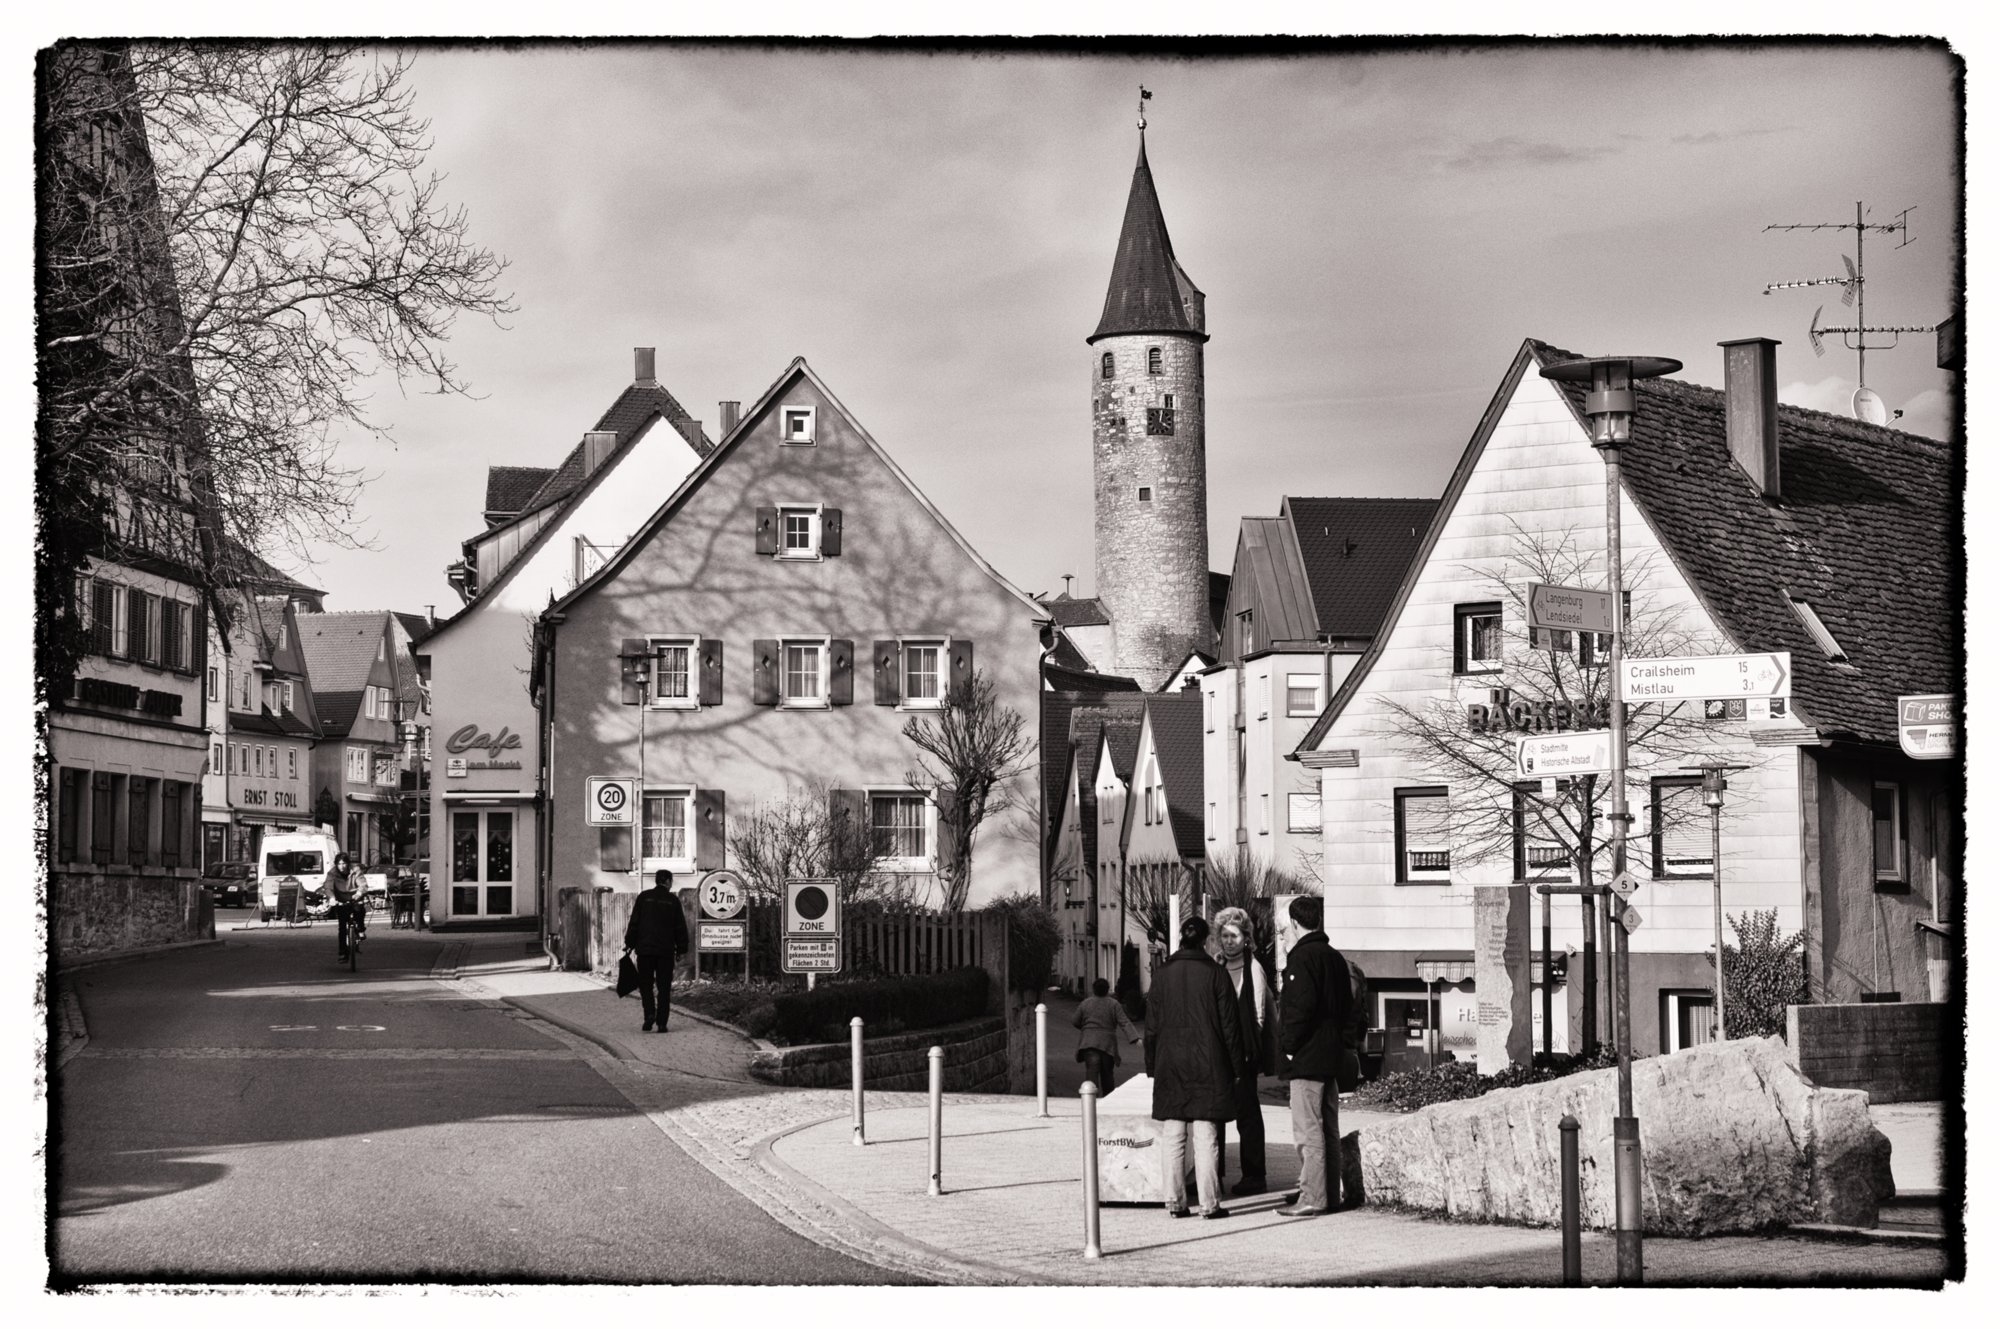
x=1376, y=232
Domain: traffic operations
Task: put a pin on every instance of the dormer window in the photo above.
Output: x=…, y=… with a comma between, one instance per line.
x=1810, y=617
x=796, y=424
x=1153, y=360
x=1105, y=372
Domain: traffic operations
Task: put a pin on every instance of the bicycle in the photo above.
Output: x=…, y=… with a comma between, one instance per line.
x=352, y=930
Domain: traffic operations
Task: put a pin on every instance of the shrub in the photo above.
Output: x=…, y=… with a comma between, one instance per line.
x=1764, y=972
x=1033, y=939
x=1406, y=1091
x=922, y=1001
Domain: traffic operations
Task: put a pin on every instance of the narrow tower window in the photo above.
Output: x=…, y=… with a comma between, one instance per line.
x=1145, y=493
x=1152, y=359
x=1106, y=370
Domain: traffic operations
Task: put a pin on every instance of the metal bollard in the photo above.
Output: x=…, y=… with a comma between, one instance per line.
x=860, y=1120
x=1092, y=1249
x=1042, y=1056
x=1631, y=1215
x=1572, y=1205
x=937, y=1121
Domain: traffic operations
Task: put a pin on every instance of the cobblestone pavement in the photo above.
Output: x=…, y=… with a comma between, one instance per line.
x=1012, y=1208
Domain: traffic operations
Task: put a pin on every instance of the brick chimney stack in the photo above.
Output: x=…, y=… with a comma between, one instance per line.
x=642, y=365
x=1750, y=403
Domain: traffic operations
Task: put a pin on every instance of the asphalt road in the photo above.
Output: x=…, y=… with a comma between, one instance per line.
x=252, y=1112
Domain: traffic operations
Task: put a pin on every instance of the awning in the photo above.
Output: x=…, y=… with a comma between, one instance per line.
x=1445, y=967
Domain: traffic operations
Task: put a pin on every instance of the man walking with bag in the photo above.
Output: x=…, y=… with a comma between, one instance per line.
x=1313, y=1007
x=657, y=934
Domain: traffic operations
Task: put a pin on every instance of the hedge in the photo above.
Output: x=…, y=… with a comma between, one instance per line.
x=1447, y=1082
x=922, y=1001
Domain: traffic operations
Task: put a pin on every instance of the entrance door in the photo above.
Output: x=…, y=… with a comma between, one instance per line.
x=214, y=838
x=482, y=861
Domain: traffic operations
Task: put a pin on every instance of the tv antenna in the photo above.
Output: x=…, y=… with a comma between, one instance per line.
x=1867, y=405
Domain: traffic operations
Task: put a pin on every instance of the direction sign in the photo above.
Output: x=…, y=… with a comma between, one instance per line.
x=1625, y=883
x=1568, y=609
x=709, y=936
x=720, y=895
x=1549, y=755
x=1630, y=919
x=806, y=955
x=812, y=908
x=1928, y=725
x=609, y=802
x=1698, y=677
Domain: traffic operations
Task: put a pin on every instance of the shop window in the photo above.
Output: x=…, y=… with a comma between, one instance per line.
x=1476, y=645
x=1888, y=832
x=1301, y=814
x=482, y=862
x=1683, y=845
x=1423, y=835
x=899, y=829
x=668, y=833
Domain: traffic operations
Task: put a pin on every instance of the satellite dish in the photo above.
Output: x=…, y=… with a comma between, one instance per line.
x=1868, y=406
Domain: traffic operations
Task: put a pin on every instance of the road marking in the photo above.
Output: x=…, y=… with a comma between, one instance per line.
x=362, y=1028
x=335, y=1054
x=292, y=1028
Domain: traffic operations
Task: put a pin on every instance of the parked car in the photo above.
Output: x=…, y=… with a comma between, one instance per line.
x=232, y=884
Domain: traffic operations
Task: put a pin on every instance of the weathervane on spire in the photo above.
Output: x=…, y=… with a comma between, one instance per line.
x=1144, y=97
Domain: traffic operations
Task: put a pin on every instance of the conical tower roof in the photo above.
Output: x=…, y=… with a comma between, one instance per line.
x=1149, y=290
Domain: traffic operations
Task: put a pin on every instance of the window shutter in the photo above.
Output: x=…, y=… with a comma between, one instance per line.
x=170, y=823
x=135, y=623
x=764, y=672
x=946, y=801
x=711, y=829
x=829, y=532
x=888, y=672
x=767, y=530
x=614, y=849
x=840, y=673
x=170, y=635
x=711, y=672
x=961, y=664
x=100, y=616
x=847, y=809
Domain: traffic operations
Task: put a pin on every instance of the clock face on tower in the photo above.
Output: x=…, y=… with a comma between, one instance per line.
x=1159, y=420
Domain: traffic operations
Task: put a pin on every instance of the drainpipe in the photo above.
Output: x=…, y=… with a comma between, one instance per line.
x=1047, y=635
x=544, y=778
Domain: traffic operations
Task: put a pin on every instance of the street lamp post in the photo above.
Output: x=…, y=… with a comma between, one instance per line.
x=1608, y=407
x=408, y=709
x=1712, y=785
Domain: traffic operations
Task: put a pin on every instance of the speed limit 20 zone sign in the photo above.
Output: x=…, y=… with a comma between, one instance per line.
x=608, y=802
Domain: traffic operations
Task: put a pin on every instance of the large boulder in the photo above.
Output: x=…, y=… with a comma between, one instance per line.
x=1732, y=1139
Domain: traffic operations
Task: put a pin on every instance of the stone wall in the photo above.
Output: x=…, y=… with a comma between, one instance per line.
x=975, y=1060
x=1895, y=1051
x=101, y=912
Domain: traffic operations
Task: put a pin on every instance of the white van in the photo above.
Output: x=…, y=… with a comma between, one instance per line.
x=302, y=855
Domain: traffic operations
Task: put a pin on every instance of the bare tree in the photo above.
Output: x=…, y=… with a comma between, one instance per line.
x=234, y=239
x=975, y=751
x=807, y=833
x=1151, y=886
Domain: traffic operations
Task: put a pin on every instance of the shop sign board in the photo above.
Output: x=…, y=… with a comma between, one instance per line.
x=1568, y=609
x=1699, y=677
x=609, y=802
x=1927, y=724
x=720, y=895
x=1584, y=752
x=809, y=955
x=710, y=936
x=812, y=908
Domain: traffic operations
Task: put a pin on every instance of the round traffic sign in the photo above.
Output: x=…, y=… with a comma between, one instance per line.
x=611, y=797
x=721, y=895
x=811, y=902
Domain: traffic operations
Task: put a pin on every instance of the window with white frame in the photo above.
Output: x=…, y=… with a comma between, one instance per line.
x=215, y=758
x=1263, y=696
x=258, y=764
x=1423, y=835
x=798, y=531
x=1208, y=705
x=802, y=673
x=592, y=555
x=1301, y=694
x=357, y=766
x=1263, y=814
x=1211, y=821
x=899, y=828
x=214, y=684
x=1302, y=814
x=923, y=674
x=795, y=424
x=292, y=762
x=1888, y=831
x=291, y=698
x=1476, y=648
x=667, y=838
x=674, y=680
x=271, y=762
x=1682, y=843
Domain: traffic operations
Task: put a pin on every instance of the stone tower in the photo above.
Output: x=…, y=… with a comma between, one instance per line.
x=1148, y=448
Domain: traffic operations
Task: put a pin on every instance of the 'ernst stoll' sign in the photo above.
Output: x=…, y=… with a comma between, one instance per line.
x=472, y=738
x=1537, y=717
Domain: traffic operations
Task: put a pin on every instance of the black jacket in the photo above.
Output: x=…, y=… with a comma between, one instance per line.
x=658, y=926
x=1313, y=1010
x=1194, y=1039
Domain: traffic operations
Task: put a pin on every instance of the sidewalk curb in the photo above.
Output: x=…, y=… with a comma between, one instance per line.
x=69, y=1017
x=1860, y=1235
x=571, y=1026
x=135, y=953
x=681, y=1012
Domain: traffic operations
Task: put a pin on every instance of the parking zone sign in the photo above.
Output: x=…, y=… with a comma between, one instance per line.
x=812, y=908
x=806, y=955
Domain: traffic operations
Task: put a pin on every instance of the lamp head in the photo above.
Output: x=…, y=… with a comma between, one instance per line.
x=1609, y=404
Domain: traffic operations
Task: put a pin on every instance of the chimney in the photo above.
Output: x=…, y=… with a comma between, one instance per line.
x=729, y=412
x=642, y=364
x=691, y=431
x=430, y=615
x=597, y=445
x=1750, y=401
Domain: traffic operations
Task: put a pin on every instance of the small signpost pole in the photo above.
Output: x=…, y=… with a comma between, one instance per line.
x=937, y=1121
x=1042, y=1056
x=854, y=1037
x=1092, y=1247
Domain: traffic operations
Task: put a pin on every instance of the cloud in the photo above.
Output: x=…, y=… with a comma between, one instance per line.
x=1495, y=153
x=1833, y=395
x=1928, y=413
x=1715, y=136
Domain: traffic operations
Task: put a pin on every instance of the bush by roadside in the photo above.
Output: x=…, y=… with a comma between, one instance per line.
x=788, y=1015
x=1406, y=1091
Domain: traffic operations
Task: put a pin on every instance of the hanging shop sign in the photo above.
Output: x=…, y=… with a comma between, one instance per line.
x=1928, y=725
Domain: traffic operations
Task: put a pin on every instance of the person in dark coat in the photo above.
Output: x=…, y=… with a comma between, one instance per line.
x=1101, y=1019
x=1251, y=982
x=1313, y=1008
x=656, y=935
x=349, y=891
x=1194, y=1048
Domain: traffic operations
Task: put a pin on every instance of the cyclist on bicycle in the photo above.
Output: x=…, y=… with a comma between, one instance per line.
x=345, y=884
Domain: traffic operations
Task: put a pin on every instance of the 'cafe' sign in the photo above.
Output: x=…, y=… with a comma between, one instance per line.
x=472, y=738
